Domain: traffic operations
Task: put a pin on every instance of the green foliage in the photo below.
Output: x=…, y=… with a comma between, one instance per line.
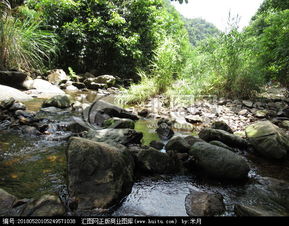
x=270, y=28
x=23, y=44
x=199, y=29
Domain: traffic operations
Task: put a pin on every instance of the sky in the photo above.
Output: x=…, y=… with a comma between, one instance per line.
x=217, y=11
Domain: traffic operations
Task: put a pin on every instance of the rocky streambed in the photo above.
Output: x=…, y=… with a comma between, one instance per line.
x=105, y=160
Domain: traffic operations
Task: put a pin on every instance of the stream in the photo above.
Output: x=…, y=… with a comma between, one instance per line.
x=35, y=165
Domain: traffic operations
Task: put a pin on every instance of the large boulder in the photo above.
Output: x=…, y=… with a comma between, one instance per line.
x=116, y=136
x=12, y=78
x=42, y=88
x=223, y=136
x=59, y=101
x=99, y=175
x=200, y=203
x=57, y=76
x=268, y=140
x=219, y=162
x=178, y=144
x=153, y=161
x=7, y=92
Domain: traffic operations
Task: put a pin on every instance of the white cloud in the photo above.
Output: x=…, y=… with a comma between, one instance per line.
x=217, y=11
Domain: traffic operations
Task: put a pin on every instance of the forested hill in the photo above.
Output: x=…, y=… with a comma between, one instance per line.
x=199, y=29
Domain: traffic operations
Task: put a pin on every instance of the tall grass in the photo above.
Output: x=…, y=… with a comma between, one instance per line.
x=23, y=44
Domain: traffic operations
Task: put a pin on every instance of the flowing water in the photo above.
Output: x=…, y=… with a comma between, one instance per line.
x=31, y=166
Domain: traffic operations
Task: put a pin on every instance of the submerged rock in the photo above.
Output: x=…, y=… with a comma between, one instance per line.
x=219, y=162
x=223, y=136
x=200, y=203
x=99, y=175
x=268, y=139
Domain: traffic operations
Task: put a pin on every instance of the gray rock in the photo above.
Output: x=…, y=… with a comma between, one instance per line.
x=116, y=136
x=268, y=139
x=153, y=161
x=7, y=92
x=44, y=89
x=222, y=126
x=178, y=144
x=243, y=112
x=57, y=76
x=5, y=104
x=157, y=144
x=107, y=80
x=219, y=162
x=192, y=139
x=71, y=88
x=220, y=144
x=247, y=103
x=200, y=203
x=12, y=78
x=59, y=101
x=119, y=123
x=261, y=113
x=164, y=130
x=223, y=136
x=99, y=175
x=17, y=106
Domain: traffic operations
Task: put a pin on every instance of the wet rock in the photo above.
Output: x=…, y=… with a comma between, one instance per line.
x=222, y=145
x=143, y=113
x=99, y=175
x=59, y=101
x=219, y=162
x=57, y=76
x=192, y=139
x=74, y=127
x=200, y=203
x=178, y=144
x=116, y=136
x=79, y=85
x=102, y=107
x=7, y=92
x=25, y=114
x=222, y=126
x=5, y=104
x=268, y=140
x=6, y=202
x=164, y=130
x=284, y=124
x=12, y=78
x=119, y=123
x=157, y=144
x=45, y=206
x=194, y=119
x=17, y=106
x=267, y=197
x=257, y=211
x=247, y=103
x=30, y=130
x=261, y=113
x=154, y=162
x=223, y=136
